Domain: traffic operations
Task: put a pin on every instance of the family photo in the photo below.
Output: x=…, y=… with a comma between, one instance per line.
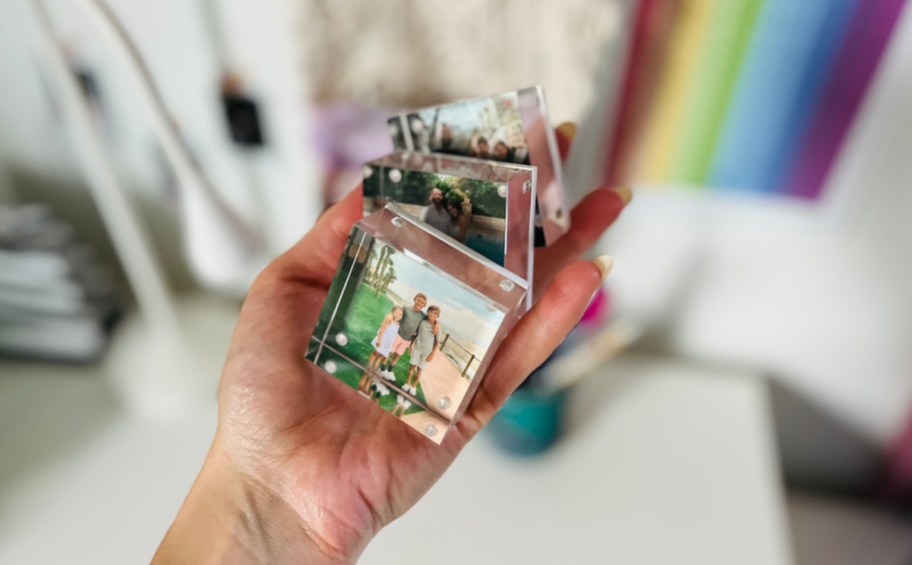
x=511, y=127
x=401, y=333
x=484, y=128
x=471, y=211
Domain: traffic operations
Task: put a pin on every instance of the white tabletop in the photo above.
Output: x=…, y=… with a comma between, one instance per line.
x=667, y=465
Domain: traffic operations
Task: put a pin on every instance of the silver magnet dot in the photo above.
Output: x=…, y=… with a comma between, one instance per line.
x=341, y=339
x=417, y=125
x=430, y=430
x=507, y=285
x=368, y=172
x=395, y=175
x=398, y=222
x=330, y=367
x=443, y=402
x=502, y=191
x=527, y=186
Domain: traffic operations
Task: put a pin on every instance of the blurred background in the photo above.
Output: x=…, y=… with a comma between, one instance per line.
x=155, y=156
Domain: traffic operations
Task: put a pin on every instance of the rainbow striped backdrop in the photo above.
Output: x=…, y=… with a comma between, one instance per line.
x=753, y=95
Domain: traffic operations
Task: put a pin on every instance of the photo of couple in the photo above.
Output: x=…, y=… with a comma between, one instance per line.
x=402, y=333
x=471, y=211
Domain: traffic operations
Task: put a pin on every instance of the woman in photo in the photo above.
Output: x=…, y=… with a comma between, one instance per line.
x=503, y=152
x=383, y=344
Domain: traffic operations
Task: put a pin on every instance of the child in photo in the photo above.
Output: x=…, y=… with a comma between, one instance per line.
x=422, y=348
x=383, y=344
x=402, y=404
x=378, y=390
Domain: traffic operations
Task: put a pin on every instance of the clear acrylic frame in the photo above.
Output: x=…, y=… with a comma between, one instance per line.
x=445, y=342
x=501, y=195
x=509, y=127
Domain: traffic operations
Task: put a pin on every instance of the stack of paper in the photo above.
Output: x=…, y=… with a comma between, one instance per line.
x=56, y=301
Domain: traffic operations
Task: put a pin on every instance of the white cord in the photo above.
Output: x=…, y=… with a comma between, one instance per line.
x=223, y=250
x=132, y=247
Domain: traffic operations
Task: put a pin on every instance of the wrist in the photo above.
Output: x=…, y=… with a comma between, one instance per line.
x=228, y=517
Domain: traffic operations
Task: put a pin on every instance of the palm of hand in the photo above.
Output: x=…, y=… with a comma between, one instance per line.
x=341, y=467
x=333, y=457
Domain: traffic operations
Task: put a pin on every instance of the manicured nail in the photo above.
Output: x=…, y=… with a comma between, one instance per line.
x=604, y=264
x=624, y=193
x=568, y=130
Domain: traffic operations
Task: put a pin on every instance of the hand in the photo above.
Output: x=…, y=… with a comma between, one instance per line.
x=430, y=357
x=302, y=469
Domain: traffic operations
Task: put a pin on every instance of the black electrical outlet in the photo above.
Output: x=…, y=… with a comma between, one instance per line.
x=243, y=118
x=88, y=83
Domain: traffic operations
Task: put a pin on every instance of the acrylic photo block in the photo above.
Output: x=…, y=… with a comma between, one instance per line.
x=412, y=320
x=486, y=205
x=511, y=127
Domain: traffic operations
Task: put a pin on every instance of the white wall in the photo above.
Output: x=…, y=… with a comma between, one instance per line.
x=820, y=296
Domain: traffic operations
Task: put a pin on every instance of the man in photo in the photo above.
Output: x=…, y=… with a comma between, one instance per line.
x=408, y=329
x=450, y=218
x=482, y=149
x=423, y=348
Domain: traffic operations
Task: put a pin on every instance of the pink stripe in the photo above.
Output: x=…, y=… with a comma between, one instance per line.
x=898, y=486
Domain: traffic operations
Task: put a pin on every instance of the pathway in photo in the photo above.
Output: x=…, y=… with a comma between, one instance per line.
x=441, y=379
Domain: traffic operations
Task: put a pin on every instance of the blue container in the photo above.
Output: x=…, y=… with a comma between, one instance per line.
x=529, y=422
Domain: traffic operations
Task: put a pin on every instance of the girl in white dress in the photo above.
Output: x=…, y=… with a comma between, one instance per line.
x=383, y=343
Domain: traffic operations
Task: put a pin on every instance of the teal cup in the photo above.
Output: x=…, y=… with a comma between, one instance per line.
x=529, y=422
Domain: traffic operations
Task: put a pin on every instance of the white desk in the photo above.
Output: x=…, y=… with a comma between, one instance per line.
x=670, y=466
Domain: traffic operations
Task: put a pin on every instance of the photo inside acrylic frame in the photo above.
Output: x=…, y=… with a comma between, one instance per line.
x=434, y=189
x=389, y=262
x=509, y=127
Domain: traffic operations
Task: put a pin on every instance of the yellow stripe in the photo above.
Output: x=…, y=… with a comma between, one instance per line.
x=686, y=49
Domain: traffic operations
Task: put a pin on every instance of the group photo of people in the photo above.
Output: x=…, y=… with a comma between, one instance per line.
x=402, y=334
x=485, y=128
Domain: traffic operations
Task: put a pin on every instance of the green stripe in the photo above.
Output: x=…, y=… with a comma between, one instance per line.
x=733, y=27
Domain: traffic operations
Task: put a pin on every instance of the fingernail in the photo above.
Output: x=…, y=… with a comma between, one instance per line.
x=624, y=193
x=604, y=264
x=568, y=130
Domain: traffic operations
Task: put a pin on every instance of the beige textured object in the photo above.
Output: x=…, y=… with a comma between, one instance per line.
x=411, y=53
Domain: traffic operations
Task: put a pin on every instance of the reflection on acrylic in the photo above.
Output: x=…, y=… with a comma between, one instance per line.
x=512, y=127
x=486, y=206
x=405, y=334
